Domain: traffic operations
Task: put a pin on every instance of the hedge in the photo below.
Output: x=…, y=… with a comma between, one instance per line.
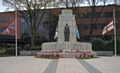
x=109, y=46
x=36, y=48
x=27, y=47
x=11, y=51
x=2, y=51
x=98, y=44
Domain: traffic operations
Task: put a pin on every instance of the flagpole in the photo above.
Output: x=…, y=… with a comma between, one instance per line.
x=114, y=31
x=15, y=30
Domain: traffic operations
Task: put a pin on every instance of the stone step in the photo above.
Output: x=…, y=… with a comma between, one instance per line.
x=67, y=55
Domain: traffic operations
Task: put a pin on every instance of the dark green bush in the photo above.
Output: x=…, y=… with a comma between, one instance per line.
x=118, y=45
x=2, y=48
x=35, y=48
x=2, y=51
x=27, y=47
x=10, y=51
x=18, y=50
x=98, y=44
x=109, y=45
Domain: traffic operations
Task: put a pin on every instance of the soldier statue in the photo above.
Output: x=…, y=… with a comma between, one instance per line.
x=66, y=32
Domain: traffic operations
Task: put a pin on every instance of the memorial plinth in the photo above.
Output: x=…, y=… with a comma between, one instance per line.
x=72, y=45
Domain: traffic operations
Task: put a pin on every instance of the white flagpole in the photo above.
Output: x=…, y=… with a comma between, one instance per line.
x=114, y=31
x=16, y=30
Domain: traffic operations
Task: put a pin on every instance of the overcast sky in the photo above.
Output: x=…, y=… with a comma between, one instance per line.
x=3, y=8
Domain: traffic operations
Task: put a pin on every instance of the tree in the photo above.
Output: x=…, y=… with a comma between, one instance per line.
x=32, y=11
x=70, y=3
x=93, y=4
x=117, y=10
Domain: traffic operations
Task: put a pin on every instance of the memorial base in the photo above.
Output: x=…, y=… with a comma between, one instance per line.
x=66, y=50
x=54, y=46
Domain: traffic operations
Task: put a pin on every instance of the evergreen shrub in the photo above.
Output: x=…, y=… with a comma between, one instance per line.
x=27, y=47
x=36, y=48
x=98, y=44
x=10, y=51
x=2, y=51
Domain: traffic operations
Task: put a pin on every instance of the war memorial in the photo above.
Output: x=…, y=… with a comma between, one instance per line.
x=66, y=45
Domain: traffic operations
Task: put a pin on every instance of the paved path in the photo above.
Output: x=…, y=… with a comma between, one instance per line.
x=52, y=67
x=106, y=64
x=70, y=65
x=63, y=65
x=23, y=65
x=89, y=67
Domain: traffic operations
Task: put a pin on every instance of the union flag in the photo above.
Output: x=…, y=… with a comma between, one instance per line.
x=10, y=27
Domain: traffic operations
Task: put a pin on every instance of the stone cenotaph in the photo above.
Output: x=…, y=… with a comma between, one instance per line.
x=67, y=18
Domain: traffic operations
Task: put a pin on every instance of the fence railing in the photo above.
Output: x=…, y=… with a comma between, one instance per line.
x=104, y=53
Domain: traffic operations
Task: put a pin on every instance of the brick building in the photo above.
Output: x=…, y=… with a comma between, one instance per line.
x=102, y=17
x=48, y=25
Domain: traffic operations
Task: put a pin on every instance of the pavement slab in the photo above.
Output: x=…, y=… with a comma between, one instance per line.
x=106, y=64
x=52, y=67
x=89, y=67
x=29, y=64
x=70, y=65
x=23, y=65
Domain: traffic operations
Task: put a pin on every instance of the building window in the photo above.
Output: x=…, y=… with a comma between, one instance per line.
x=110, y=14
x=81, y=15
x=118, y=14
x=87, y=26
x=96, y=15
x=100, y=26
x=89, y=15
x=4, y=19
x=118, y=26
x=102, y=14
x=2, y=29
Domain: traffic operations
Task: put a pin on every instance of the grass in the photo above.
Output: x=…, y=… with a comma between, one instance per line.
x=6, y=55
x=46, y=57
x=88, y=58
x=58, y=58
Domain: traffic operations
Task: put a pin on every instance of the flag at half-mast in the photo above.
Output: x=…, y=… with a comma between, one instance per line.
x=77, y=33
x=107, y=28
x=10, y=27
x=56, y=33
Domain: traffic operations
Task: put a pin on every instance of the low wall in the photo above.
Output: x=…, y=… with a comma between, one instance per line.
x=34, y=53
x=104, y=53
x=28, y=53
x=54, y=46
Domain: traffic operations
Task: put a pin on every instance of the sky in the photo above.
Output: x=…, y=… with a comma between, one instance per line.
x=3, y=8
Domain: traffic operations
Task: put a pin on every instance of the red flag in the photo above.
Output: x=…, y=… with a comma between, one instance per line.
x=10, y=27
x=107, y=28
